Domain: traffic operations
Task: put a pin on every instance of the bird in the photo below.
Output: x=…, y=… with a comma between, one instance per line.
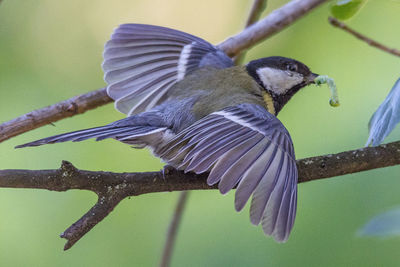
x=192, y=107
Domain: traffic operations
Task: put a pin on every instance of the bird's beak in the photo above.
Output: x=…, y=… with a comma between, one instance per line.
x=311, y=78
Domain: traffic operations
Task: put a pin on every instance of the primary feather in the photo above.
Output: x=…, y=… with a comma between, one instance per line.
x=142, y=62
x=260, y=160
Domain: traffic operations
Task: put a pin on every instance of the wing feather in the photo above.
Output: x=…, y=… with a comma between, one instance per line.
x=247, y=147
x=263, y=191
x=142, y=62
x=178, y=141
x=274, y=201
x=231, y=157
x=246, y=162
x=253, y=177
x=206, y=144
x=205, y=159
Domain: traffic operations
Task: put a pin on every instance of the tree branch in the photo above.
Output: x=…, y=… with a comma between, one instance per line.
x=275, y=22
x=111, y=188
x=336, y=23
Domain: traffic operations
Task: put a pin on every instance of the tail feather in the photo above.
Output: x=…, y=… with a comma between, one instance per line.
x=123, y=133
x=106, y=134
x=100, y=133
x=71, y=136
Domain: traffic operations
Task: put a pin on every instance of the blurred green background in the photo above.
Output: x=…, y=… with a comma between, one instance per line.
x=52, y=50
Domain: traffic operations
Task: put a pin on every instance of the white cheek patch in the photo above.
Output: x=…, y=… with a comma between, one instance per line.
x=279, y=81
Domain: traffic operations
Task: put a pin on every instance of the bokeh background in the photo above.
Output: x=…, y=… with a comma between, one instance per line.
x=52, y=50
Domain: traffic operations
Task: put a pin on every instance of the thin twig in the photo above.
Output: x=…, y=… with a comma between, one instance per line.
x=275, y=22
x=364, y=38
x=113, y=187
x=173, y=229
x=255, y=13
x=64, y=109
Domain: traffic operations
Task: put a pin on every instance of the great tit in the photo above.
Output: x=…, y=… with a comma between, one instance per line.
x=190, y=105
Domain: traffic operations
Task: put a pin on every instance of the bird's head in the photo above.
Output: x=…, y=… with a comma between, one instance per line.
x=280, y=77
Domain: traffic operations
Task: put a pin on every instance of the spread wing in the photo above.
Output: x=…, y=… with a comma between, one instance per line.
x=247, y=147
x=141, y=63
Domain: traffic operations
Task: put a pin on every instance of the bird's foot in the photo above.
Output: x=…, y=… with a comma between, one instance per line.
x=167, y=169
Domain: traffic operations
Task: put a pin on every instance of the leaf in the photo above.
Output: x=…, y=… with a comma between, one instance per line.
x=386, y=224
x=385, y=117
x=345, y=9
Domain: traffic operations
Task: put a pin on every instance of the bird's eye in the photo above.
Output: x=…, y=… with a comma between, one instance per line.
x=291, y=67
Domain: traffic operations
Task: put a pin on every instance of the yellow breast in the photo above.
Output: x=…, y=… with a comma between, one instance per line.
x=269, y=102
